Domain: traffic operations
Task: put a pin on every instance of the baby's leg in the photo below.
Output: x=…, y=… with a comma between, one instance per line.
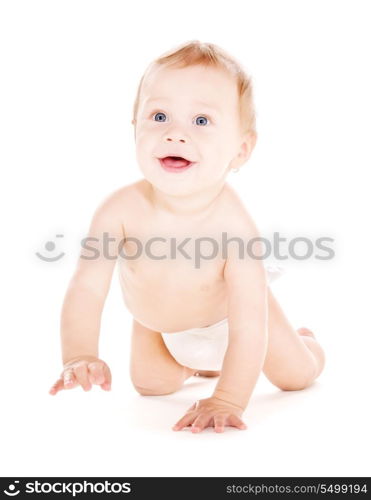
x=153, y=370
x=294, y=358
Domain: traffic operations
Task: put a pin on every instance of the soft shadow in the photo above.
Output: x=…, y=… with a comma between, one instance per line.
x=262, y=406
x=160, y=413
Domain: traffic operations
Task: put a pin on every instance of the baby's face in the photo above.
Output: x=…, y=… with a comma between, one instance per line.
x=191, y=113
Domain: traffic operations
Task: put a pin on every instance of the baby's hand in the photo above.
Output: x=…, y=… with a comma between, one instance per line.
x=84, y=371
x=211, y=412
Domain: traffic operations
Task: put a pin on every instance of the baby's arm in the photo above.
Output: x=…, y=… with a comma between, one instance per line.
x=87, y=291
x=248, y=333
x=247, y=340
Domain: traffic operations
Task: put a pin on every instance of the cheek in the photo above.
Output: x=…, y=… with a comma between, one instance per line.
x=144, y=142
x=218, y=153
x=227, y=144
x=142, y=135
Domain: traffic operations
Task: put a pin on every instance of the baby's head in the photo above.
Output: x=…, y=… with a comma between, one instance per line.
x=194, y=102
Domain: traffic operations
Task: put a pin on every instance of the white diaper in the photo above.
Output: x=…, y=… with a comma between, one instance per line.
x=204, y=348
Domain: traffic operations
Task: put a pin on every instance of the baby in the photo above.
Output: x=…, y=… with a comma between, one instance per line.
x=195, y=311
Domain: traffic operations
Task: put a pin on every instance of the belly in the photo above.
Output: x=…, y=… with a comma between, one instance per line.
x=169, y=297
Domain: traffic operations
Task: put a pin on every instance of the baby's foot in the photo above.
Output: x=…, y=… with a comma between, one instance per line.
x=306, y=332
x=206, y=373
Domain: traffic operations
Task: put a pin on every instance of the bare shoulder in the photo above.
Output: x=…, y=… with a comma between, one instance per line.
x=125, y=195
x=235, y=212
x=242, y=225
x=124, y=201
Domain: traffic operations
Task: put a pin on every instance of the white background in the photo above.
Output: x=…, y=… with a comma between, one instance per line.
x=69, y=72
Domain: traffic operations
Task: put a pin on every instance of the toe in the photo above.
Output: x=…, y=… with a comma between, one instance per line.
x=306, y=332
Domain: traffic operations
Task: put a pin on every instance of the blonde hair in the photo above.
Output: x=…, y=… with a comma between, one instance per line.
x=197, y=53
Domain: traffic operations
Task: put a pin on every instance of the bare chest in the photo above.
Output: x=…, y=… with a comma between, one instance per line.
x=172, y=277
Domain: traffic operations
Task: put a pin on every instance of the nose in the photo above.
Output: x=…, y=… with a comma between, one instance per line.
x=174, y=135
x=174, y=138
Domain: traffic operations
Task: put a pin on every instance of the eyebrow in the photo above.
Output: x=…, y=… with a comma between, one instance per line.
x=198, y=103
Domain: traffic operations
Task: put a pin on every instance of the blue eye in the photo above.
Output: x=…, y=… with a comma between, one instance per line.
x=161, y=117
x=201, y=120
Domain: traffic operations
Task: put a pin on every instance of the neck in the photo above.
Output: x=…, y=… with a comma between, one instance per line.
x=193, y=204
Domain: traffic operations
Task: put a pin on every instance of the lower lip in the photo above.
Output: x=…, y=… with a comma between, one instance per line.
x=176, y=170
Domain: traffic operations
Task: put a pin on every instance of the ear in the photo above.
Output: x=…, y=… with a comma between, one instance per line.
x=247, y=145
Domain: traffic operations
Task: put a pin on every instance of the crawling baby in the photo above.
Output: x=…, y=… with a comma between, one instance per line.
x=189, y=254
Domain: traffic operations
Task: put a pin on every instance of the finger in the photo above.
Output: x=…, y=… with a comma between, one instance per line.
x=193, y=407
x=69, y=380
x=95, y=371
x=81, y=374
x=58, y=386
x=107, y=378
x=184, y=421
x=235, y=421
x=201, y=422
x=219, y=422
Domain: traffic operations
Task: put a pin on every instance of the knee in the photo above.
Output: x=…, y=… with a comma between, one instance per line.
x=155, y=387
x=297, y=383
x=154, y=391
x=294, y=385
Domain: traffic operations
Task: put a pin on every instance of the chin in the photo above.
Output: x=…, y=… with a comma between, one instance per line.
x=170, y=184
x=172, y=188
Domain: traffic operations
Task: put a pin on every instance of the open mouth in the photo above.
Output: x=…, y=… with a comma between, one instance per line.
x=175, y=163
